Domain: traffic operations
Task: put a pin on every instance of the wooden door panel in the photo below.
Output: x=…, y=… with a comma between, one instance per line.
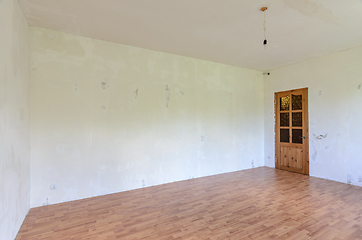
x=291, y=131
x=291, y=157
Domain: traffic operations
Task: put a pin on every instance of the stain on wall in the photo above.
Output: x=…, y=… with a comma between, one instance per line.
x=349, y=178
x=14, y=119
x=104, y=85
x=139, y=117
x=167, y=95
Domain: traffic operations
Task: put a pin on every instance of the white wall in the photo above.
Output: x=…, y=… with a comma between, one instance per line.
x=335, y=110
x=107, y=117
x=14, y=119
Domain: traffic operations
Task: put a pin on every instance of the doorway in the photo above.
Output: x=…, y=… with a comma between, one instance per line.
x=291, y=131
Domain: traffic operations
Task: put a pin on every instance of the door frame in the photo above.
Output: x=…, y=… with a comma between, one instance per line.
x=305, y=124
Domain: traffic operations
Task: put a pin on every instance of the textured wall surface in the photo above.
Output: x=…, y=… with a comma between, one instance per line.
x=107, y=117
x=14, y=119
x=335, y=111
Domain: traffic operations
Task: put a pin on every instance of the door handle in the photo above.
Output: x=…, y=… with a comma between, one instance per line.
x=304, y=137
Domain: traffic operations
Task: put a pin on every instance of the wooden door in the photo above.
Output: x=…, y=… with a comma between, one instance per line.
x=291, y=131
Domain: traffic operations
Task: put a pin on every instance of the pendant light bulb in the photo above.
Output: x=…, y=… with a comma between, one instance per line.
x=265, y=42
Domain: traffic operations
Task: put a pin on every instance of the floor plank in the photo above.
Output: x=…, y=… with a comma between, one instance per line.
x=259, y=203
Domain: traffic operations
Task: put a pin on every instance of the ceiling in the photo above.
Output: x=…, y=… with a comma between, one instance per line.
x=229, y=32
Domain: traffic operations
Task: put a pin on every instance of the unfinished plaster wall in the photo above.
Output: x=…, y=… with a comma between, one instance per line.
x=14, y=119
x=335, y=111
x=107, y=117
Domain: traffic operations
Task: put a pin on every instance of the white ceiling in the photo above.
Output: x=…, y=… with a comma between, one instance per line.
x=225, y=31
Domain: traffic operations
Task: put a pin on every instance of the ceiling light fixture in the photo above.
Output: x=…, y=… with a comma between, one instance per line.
x=265, y=42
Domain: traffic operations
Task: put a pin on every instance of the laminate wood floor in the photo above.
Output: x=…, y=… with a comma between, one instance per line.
x=259, y=203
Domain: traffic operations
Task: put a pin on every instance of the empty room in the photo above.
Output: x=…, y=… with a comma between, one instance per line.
x=167, y=119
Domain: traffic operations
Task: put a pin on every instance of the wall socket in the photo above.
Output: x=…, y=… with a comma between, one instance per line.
x=53, y=186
